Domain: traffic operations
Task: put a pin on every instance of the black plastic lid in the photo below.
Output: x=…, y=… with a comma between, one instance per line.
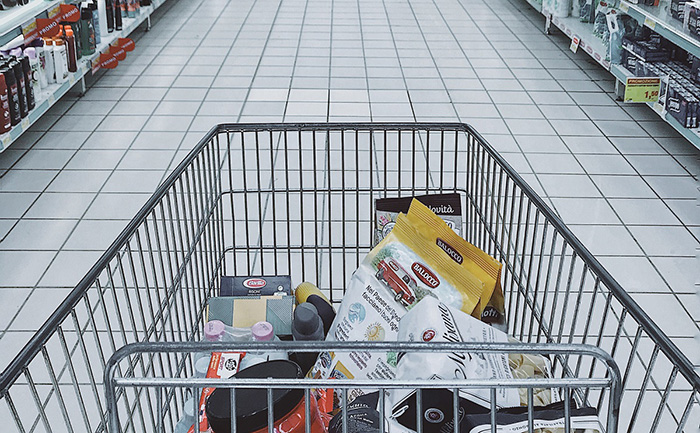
x=251, y=404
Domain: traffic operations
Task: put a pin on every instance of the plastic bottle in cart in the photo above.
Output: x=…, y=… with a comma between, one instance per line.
x=306, y=326
x=216, y=330
x=187, y=419
x=262, y=331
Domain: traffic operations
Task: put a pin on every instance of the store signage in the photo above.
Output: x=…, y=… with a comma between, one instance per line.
x=127, y=44
x=575, y=42
x=642, y=89
x=29, y=31
x=108, y=61
x=49, y=27
x=118, y=52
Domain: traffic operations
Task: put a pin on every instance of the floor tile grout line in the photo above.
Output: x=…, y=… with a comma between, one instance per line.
x=36, y=285
x=613, y=208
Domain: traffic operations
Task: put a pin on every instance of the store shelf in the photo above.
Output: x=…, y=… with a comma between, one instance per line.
x=659, y=19
x=536, y=5
x=692, y=135
x=18, y=15
x=56, y=92
x=572, y=26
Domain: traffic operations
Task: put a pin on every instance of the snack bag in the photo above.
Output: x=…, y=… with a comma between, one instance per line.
x=491, y=308
x=446, y=206
x=403, y=269
x=548, y=419
x=432, y=320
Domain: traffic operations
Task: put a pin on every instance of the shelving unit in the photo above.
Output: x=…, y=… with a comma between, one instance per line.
x=56, y=91
x=656, y=18
x=692, y=135
x=572, y=26
x=659, y=19
x=14, y=17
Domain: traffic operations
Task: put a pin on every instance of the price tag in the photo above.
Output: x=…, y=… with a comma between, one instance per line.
x=624, y=7
x=649, y=23
x=25, y=123
x=6, y=140
x=575, y=41
x=71, y=79
x=642, y=89
x=52, y=99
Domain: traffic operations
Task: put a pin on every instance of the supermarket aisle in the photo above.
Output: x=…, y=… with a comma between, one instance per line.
x=621, y=178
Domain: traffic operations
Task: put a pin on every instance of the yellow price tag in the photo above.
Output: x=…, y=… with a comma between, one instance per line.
x=25, y=123
x=649, y=23
x=52, y=99
x=6, y=140
x=642, y=89
x=624, y=7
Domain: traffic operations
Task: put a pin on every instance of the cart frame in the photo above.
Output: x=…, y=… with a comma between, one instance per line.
x=152, y=283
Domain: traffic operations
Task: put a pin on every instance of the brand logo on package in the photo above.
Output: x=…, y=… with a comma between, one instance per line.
x=254, y=283
x=428, y=334
x=457, y=257
x=425, y=275
x=442, y=209
x=674, y=105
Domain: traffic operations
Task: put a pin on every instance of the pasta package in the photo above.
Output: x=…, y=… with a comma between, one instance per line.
x=402, y=271
x=491, y=308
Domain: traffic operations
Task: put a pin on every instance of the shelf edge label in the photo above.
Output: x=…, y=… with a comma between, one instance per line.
x=575, y=42
x=642, y=89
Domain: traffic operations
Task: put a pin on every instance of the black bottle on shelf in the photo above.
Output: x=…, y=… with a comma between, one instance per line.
x=13, y=93
x=117, y=14
x=21, y=86
x=27, y=69
x=109, y=10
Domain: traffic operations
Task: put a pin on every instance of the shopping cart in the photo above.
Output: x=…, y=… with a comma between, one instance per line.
x=265, y=199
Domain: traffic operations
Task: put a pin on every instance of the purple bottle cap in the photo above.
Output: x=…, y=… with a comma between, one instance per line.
x=263, y=331
x=17, y=52
x=30, y=52
x=213, y=330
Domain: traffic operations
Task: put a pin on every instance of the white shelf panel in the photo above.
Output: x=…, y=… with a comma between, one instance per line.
x=18, y=15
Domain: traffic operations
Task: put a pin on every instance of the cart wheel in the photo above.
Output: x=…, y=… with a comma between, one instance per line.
x=380, y=275
x=398, y=297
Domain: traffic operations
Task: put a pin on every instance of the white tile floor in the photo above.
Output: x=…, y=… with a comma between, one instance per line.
x=621, y=178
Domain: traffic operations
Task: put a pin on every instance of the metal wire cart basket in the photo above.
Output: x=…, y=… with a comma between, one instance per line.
x=297, y=199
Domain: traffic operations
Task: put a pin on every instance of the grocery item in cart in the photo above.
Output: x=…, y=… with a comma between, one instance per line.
x=446, y=206
x=433, y=321
x=548, y=419
x=262, y=331
x=481, y=265
x=307, y=326
x=223, y=365
x=246, y=311
x=251, y=404
x=403, y=269
x=362, y=416
x=307, y=292
x=256, y=286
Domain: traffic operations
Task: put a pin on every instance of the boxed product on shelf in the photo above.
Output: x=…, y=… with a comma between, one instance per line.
x=690, y=17
x=648, y=50
x=677, y=9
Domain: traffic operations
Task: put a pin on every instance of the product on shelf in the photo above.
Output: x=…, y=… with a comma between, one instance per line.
x=60, y=60
x=21, y=86
x=35, y=66
x=691, y=17
x=677, y=9
x=5, y=119
x=28, y=82
x=13, y=92
x=118, y=14
x=71, y=49
x=87, y=32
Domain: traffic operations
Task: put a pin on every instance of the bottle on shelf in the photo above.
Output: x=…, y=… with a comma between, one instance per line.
x=95, y=22
x=28, y=82
x=71, y=49
x=87, y=32
x=21, y=86
x=117, y=14
x=49, y=55
x=109, y=9
x=60, y=58
x=13, y=93
x=35, y=64
x=5, y=119
x=262, y=331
